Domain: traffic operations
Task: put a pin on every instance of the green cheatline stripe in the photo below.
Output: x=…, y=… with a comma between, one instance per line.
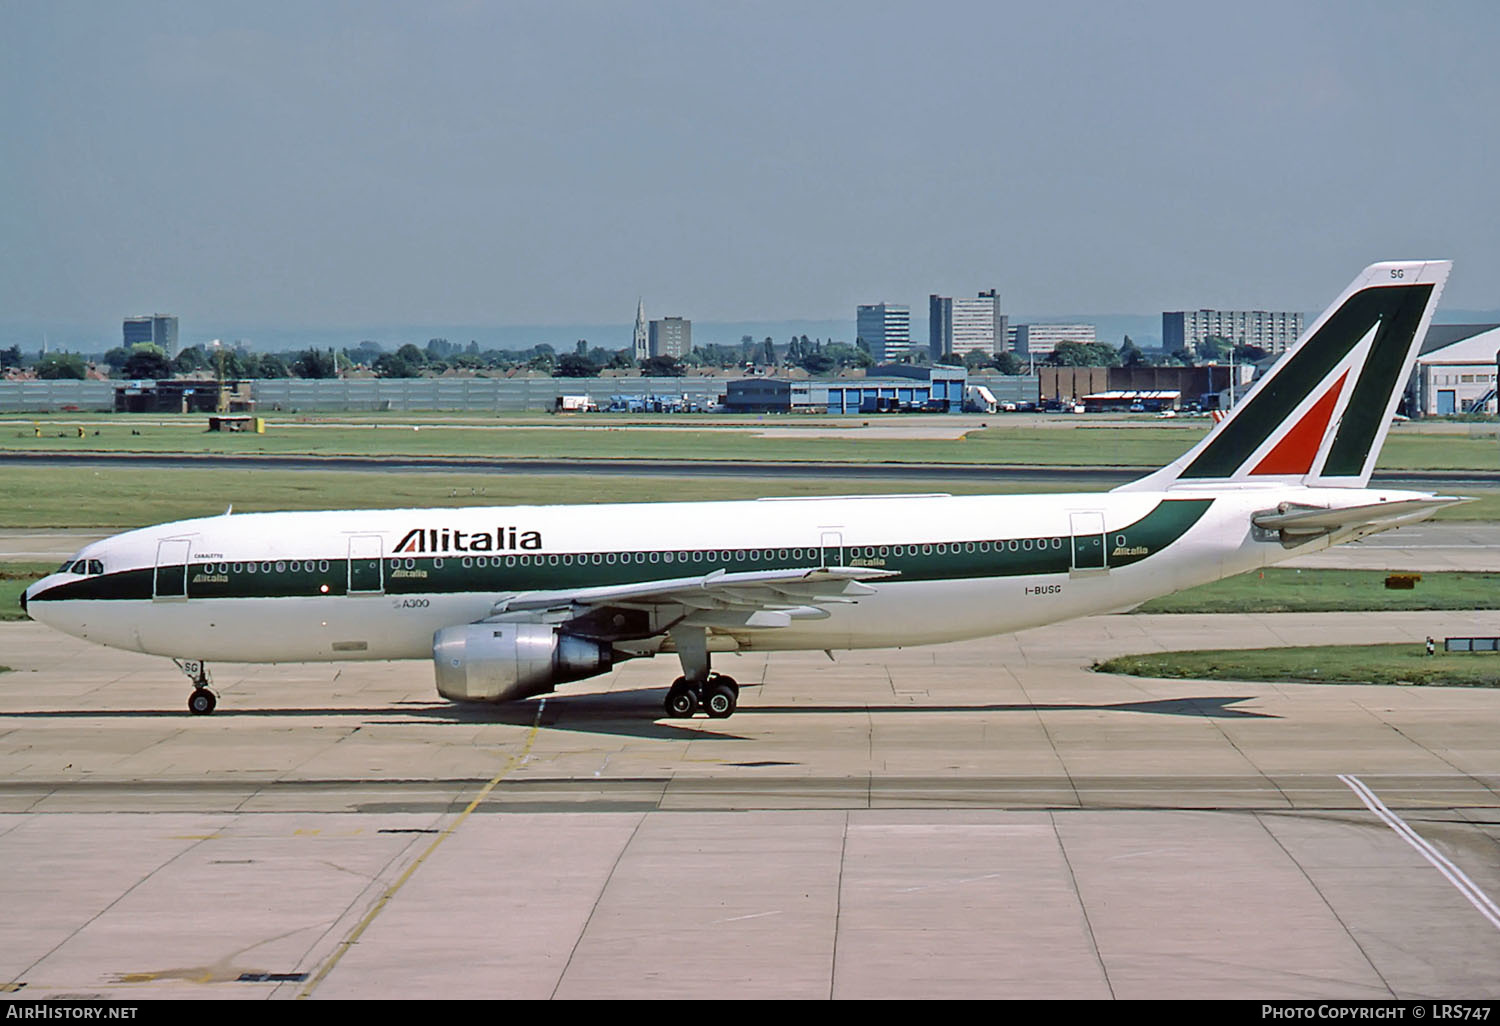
x=448, y=575
x=1389, y=306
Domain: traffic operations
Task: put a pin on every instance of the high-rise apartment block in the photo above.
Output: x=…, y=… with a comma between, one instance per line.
x=160, y=329
x=886, y=330
x=963, y=326
x=1039, y=340
x=671, y=336
x=1270, y=330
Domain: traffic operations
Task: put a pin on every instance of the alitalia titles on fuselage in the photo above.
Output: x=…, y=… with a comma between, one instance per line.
x=451, y=539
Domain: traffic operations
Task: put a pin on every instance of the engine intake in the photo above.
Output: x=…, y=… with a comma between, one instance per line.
x=498, y=662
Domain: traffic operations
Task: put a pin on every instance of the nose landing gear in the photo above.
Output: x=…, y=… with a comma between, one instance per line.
x=202, y=701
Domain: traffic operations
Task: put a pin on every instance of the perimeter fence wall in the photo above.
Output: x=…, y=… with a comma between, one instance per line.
x=375, y=395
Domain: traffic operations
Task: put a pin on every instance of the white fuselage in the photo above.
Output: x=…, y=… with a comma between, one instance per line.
x=291, y=587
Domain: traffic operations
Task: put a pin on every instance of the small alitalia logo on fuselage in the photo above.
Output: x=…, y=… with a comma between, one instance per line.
x=447, y=539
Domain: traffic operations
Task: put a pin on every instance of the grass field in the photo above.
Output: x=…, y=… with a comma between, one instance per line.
x=1328, y=664
x=1064, y=443
x=14, y=578
x=1282, y=590
x=120, y=497
x=1028, y=446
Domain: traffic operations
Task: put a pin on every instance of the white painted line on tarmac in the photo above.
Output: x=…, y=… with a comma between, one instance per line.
x=1468, y=888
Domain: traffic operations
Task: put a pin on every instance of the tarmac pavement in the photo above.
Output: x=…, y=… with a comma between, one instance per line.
x=986, y=819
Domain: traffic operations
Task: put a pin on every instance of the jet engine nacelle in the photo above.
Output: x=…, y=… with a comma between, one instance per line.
x=497, y=662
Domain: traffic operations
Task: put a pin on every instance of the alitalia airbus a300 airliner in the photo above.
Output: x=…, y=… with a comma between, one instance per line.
x=510, y=602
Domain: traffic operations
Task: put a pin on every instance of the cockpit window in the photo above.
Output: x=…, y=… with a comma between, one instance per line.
x=96, y=566
x=82, y=566
x=67, y=565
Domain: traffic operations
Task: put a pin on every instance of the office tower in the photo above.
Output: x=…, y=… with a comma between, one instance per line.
x=160, y=329
x=886, y=329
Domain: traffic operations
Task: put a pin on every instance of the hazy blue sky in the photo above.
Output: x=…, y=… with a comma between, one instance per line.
x=474, y=162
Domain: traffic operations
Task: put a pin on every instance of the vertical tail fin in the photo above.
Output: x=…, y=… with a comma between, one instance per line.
x=1321, y=414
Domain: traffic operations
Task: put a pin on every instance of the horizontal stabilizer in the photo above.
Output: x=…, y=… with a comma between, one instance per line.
x=1377, y=516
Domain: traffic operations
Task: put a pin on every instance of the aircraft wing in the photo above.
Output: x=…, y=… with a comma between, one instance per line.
x=753, y=599
x=1306, y=521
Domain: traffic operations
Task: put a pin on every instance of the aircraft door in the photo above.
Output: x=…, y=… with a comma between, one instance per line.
x=169, y=583
x=1088, y=541
x=832, y=549
x=366, y=565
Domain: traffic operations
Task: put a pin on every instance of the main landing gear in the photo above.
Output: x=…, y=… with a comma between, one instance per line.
x=699, y=687
x=202, y=701
x=718, y=696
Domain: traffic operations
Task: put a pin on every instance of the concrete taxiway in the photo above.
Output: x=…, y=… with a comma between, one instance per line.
x=987, y=819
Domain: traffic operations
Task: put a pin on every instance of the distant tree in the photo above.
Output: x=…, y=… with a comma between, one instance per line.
x=10, y=357
x=817, y=362
x=412, y=355
x=662, y=367
x=623, y=359
x=229, y=363
x=61, y=365
x=391, y=365
x=1250, y=354
x=320, y=363
x=949, y=360
x=1213, y=347
x=144, y=363
x=1009, y=363
x=191, y=359
x=575, y=365
x=1130, y=354
x=267, y=365
x=768, y=352
x=1083, y=354
x=116, y=358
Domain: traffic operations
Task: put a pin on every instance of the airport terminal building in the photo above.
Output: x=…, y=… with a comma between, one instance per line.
x=1456, y=371
x=896, y=388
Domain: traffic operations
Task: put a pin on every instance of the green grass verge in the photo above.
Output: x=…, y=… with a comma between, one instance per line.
x=119, y=498
x=1130, y=447
x=1325, y=664
x=1066, y=443
x=14, y=579
x=1282, y=590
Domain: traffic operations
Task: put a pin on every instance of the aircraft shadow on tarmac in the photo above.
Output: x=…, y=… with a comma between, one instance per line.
x=636, y=713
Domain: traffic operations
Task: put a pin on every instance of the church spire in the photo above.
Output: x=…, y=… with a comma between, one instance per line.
x=641, y=345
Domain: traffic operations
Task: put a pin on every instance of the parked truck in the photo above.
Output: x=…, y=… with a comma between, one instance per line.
x=574, y=404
